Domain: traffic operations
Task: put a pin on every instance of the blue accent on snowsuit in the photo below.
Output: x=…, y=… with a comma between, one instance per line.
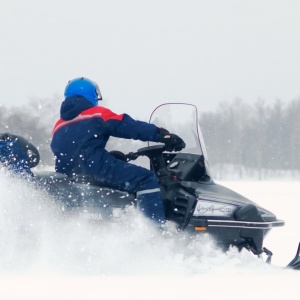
x=79, y=140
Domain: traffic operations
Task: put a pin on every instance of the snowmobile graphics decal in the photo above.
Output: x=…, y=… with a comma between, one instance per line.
x=91, y=216
x=204, y=208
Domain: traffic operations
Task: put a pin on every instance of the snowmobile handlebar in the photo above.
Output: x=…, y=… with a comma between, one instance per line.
x=149, y=151
x=155, y=155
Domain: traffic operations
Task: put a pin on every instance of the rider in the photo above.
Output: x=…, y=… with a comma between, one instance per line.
x=80, y=136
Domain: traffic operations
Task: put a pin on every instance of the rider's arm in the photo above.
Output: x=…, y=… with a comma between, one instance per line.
x=126, y=127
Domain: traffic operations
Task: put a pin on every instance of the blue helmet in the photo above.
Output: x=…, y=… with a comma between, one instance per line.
x=84, y=87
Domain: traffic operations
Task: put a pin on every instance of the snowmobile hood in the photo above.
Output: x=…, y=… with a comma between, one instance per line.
x=73, y=106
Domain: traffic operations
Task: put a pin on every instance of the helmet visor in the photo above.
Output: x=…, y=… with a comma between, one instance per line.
x=98, y=93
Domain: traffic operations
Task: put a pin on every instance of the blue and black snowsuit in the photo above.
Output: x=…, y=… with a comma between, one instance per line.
x=78, y=143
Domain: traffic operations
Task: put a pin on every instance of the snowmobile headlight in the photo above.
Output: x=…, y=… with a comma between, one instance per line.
x=213, y=208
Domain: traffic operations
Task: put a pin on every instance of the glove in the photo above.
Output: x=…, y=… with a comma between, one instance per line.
x=118, y=155
x=172, y=141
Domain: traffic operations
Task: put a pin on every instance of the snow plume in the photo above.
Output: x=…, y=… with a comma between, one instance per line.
x=24, y=215
x=36, y=239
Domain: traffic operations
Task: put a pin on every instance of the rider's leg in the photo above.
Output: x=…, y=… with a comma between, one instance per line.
x=133, y=179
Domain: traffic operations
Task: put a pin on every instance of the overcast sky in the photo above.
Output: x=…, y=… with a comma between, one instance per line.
x=143, y=53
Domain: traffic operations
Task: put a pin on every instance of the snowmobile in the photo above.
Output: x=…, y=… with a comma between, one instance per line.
x=193, y=200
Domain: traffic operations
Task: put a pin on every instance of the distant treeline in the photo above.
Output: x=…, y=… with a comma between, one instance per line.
x=247, y=140
x=257, y=139
x=34, y=122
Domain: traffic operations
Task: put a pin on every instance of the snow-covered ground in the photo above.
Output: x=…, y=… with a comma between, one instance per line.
x=45, y=257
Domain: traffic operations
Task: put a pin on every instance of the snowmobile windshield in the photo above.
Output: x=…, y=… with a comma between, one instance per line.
x=181, y=119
